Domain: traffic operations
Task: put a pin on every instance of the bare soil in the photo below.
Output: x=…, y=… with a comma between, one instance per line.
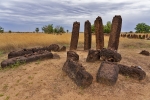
x=45, y=80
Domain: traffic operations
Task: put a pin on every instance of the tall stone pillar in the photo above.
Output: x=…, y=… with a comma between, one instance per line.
x=87, y=35
x=115, y=32
x=98, y=24
x=75, y=35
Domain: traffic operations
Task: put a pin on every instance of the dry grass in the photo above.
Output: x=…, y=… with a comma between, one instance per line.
x=45, y=80
x=17, y=41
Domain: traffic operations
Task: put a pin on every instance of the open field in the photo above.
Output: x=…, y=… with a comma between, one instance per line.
x=45, y=80
x=9, y=42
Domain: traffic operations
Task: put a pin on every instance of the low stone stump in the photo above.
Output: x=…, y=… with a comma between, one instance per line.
x=54, y=47
x=144, y=52
x=107, y=73
x=63, y=48
x=135, y=72
x=93, y=55
x=77, y=73
x=72, y=55
x=27, y=58
x=110, y=55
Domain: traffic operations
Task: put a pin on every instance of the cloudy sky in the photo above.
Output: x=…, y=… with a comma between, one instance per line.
x=26, y=15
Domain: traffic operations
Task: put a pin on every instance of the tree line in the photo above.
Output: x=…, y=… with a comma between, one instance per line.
x=140, y=28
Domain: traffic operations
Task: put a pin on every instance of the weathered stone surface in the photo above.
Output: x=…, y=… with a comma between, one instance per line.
x=77, y=73
x=19, y=53
x=98, y=24
x=107, y=73
x=87, y=35
x=63, y=48
x=140, y=37
x=146, y=36
x=26, y=58
x=72, y=55
x=54, y=47
x=93, y=55
x=143, y=36
x=134, y=72
x=56, y=56
x=115, y=33
x=144, y=52
x=27, y=51
x=110, y=55
x=75, y=35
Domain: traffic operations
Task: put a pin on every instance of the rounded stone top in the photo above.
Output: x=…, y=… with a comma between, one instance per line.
x=117, y=16
x=98, y=18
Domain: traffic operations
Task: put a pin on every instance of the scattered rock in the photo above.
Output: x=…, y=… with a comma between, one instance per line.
x=107, y=73
x=93, y=55
x=134, y=71
x=77, y=73
x=63, y=48
x=110, y=55
x=56, y=56
x=54, y=47
x=72, y=55
x=144, y=52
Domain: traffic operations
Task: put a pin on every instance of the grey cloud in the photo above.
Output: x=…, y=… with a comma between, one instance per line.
x=60, y=13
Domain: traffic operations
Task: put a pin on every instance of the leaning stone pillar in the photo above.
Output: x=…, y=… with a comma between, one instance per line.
x=115, y=33
x=98, y=24
x=87, y=35
x=75, y=35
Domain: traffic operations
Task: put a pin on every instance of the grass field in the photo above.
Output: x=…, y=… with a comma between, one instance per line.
x=9, y=42
x=45, y=80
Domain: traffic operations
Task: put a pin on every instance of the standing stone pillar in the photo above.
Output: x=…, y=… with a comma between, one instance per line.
x=98, y=24
x=75, y=35
x=87, y=35
x=115, y=33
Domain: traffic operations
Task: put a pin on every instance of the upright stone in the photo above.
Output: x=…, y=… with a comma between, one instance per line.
x=87, y=35
x=115, y=32
x=99, y=33
x=75, y=35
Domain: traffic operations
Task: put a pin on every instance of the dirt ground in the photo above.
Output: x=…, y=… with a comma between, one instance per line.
x=45, y=80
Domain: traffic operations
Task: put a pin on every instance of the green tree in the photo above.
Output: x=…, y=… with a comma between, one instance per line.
x=9, y=31
x=92, y=28
x=59, y=30
x=1, y=30
x=48, y=29
x=142, y=28
x=107, y=27
x=67, y=31
x=37, y=30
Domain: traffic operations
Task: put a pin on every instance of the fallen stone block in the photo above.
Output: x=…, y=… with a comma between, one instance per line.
x=144, y=52
x=110, y=55
x=26, y=58
x=19, y=53
x=77, y=73
x=93, y=55
x=27, y=51
x=107, y=73
x=134, y=71
x=72, y=55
